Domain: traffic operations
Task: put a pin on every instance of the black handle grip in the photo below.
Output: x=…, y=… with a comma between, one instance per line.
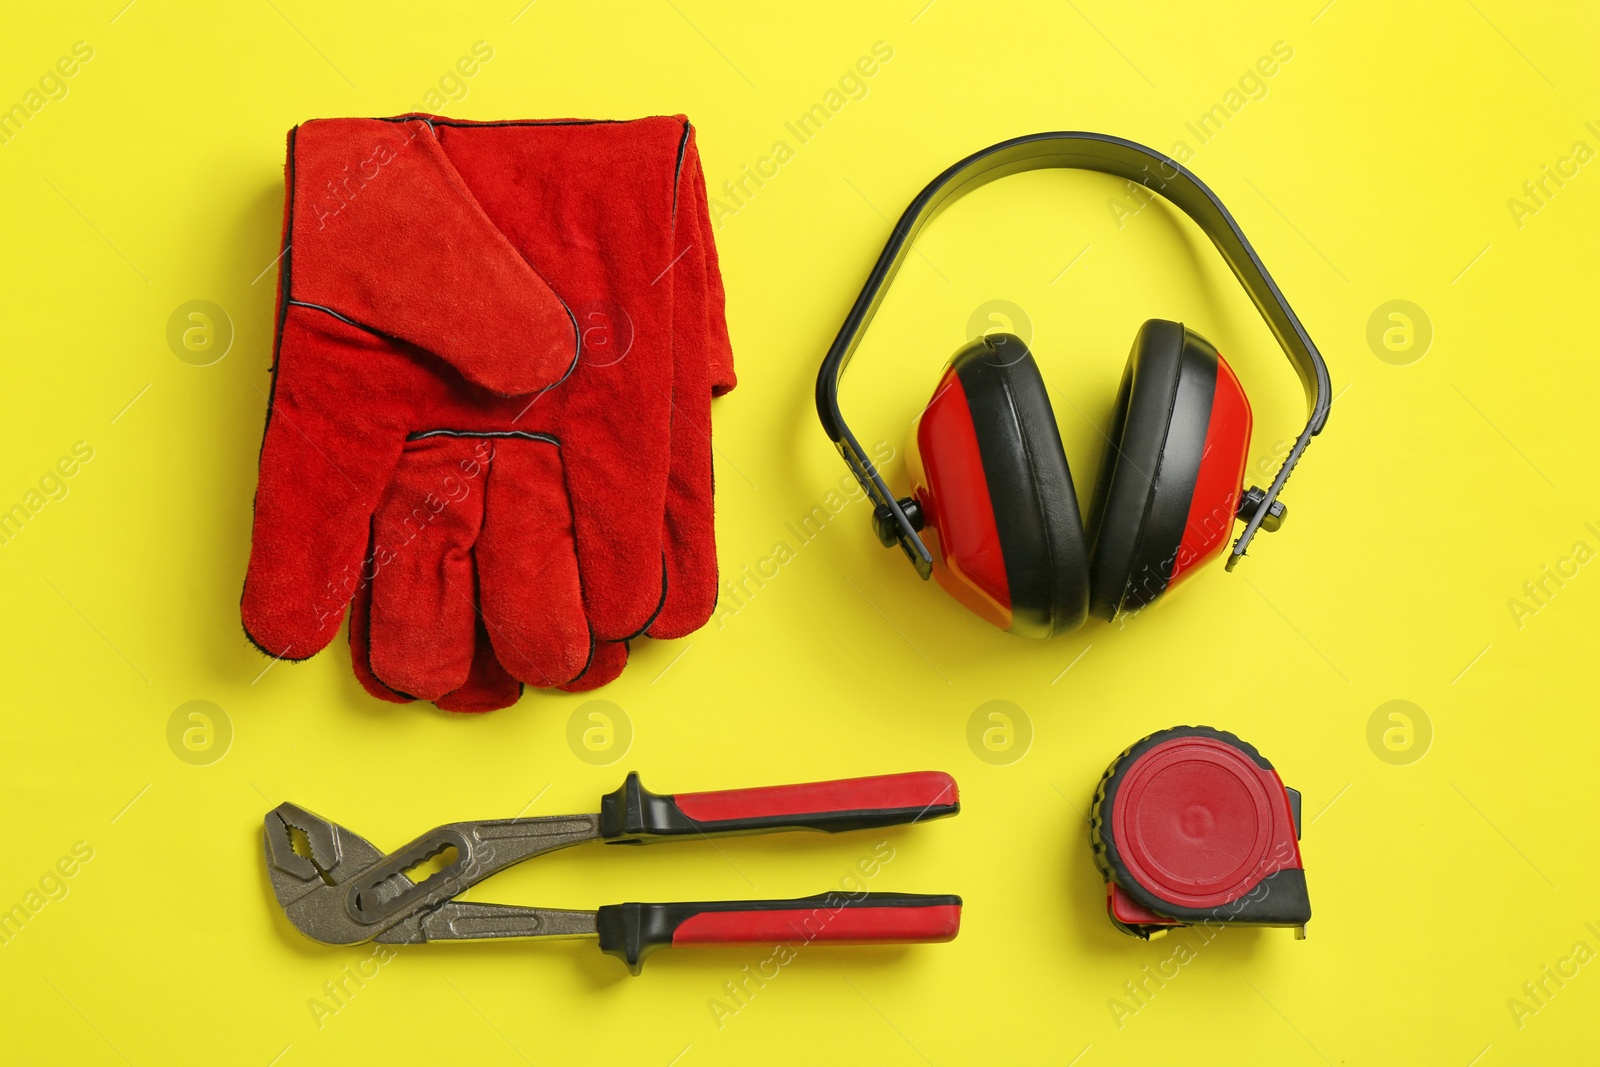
x=632, y=931
x=634, y=815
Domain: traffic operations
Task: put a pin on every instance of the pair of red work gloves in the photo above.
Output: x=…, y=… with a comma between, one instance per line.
x=490, y=423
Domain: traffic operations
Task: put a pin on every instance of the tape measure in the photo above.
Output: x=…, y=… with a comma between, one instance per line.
x=1193, y=825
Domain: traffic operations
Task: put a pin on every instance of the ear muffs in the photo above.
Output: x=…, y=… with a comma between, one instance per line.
x=1170, y=481
x=992, y=485
x=992, y=481
x=1169, y=493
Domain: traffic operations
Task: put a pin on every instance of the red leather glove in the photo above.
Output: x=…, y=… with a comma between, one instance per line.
x=548, y=510
x=703, y=368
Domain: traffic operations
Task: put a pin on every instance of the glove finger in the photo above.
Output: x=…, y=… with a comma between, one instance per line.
x=719, y=347
x=489, y=686
x=604, y=666
x=529, y=591
x=324, y=465
x=702, y=364
x=423, y=628
x=361, y=645
x=615, y=455
x=618, y=537
x=689, y=533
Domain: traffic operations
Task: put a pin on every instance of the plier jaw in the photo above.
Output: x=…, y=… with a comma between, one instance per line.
x=302, y=849
x=309, y=860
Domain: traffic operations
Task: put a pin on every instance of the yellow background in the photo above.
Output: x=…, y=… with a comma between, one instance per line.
x=1376, y=166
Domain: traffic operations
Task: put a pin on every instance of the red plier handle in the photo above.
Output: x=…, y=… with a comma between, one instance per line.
x=632, y=931
x=634, y=815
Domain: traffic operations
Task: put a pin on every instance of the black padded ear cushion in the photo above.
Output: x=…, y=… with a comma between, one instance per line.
x=1030, y=485
x=1148, y=476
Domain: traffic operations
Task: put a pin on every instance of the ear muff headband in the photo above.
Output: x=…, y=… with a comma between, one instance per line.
x=1071, y=151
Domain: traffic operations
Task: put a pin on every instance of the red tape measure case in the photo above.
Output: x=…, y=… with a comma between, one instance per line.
x=1193, y=825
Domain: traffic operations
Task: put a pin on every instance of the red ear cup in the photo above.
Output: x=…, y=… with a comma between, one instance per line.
x=1173, y=471
x=1001, y=514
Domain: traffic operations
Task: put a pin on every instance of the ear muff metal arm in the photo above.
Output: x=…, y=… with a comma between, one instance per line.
x=1072, y=151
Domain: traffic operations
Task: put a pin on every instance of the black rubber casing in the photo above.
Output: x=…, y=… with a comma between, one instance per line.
x=1030, y=485
x=1151, y=464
